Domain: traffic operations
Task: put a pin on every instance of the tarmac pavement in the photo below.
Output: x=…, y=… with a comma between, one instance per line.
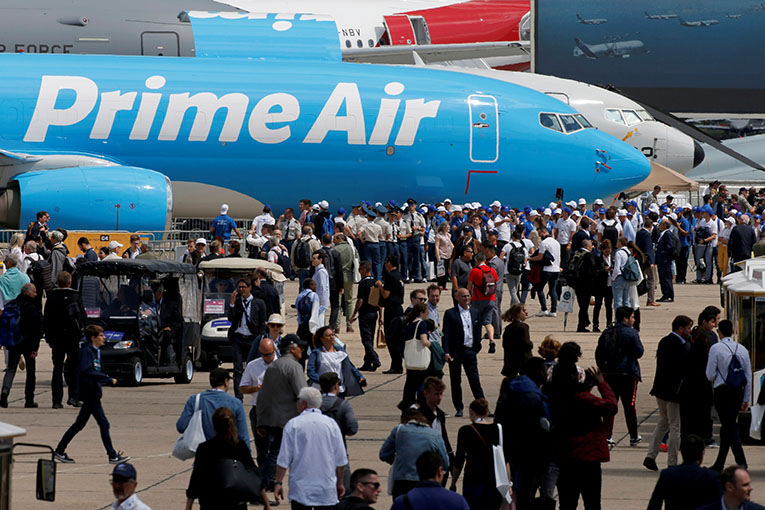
x=143, y=420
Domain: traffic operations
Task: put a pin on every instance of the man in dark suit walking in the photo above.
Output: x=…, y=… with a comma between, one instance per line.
x=247, y=315
x=665, y=253
x=644, y=241
x=740, y=242
x=462, y=342
x=737, y=491
x=687, y=486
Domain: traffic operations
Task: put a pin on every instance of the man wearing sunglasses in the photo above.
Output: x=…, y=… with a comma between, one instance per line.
x=366, y=489
x=251, y=382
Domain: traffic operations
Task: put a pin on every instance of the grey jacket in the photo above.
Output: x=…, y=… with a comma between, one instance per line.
x=278, y=395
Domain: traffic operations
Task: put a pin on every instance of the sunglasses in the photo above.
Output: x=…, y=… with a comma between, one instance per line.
x=375, y=485
x=267, y=354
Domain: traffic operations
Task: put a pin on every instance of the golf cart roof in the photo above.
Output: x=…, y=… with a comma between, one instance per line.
x=134, y=266
x=274, y=271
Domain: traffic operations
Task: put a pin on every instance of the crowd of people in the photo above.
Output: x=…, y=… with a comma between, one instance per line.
x=356, y=265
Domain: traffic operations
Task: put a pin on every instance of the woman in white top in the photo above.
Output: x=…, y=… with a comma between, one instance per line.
x=444, y=248
x=16, y=248
x=328, y=356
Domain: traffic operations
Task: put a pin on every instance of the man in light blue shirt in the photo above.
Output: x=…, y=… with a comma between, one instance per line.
x=321, y=277
x=732, y=391
x=223, y=225
x=434, y=296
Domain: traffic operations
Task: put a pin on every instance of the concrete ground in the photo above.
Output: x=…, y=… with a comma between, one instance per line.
x=143, y=421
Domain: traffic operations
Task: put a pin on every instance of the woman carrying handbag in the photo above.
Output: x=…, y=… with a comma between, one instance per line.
x=417, y=356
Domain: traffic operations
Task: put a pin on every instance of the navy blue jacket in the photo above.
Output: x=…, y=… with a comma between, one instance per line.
x=685, y=487
x=717, y=505
x=645, y=243
x=671, y=357
x=431, y=496
x=454, y=336
x=632, y=348
x=91, y=373
x=665, y=248
x=740, y=243
x=521, y=410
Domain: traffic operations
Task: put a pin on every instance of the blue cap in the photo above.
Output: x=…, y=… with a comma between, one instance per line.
x=757, y=217
x=679, y=210
x=369, y=211
x=707, y=209
x=522, y=216
x=341, y=211
x=540, y=210
x=632, y=202
x=494, y=232
x=602, y=210
x=485, y=219
x=381, y=209
x=647, y=213
x=697, y=209
x=505, y=208
x=664, y=208
x=567, y=210
x=392, y=203
x=125, y=470
x=432, y=208
x=527, y=209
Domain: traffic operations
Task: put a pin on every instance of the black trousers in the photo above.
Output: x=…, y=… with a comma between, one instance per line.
x=393, y=338
x=728, y=404
x=696, y=412
x=681, y=264
x=583, y=300
x=607, y=295
x=14, y=355
x=367, y=326
x=579, y=478
x=90, y=407
x=625, y=389
x=240, y=349
x=66, y=358
x=334, y=305
x=414, y=379
x=260, y=441
x=468, y=360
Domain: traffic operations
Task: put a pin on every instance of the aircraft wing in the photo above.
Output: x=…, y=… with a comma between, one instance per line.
x=430, y=53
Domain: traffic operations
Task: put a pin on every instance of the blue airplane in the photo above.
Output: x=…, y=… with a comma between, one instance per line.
x=268, y=113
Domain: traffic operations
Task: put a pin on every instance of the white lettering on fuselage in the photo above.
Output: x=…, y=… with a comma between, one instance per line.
x=268, y=121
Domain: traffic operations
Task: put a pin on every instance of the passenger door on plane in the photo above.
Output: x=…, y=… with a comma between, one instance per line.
x=484, y=129
x=160, y=44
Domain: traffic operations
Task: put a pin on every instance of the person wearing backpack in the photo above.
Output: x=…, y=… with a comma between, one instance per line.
x=300, y=255
x=610, y=228
x=671, y=358
x=482, y=284
x=307, y=305
x=620, y=282
x=339, y=410
x=730, y=372
x=59, y=256
x=515, y=254
x=22, y=330
x=580, y=274
x=617, y=354
x=665, y=254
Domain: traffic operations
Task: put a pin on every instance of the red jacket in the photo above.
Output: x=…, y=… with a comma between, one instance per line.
x=579, y=429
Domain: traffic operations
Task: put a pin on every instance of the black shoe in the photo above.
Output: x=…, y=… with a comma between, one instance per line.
x=650, y=464
x=582, y=330
x=58, y=406
x=595, y=329
x=118, y=458
x=63, y=458
x=393, y=371
x=490, y=415
x=4, y=401
x=365, y=368
x=492, y=348
x=375, y=366
x=458, y=414
x=74, y=402
x=31, y=405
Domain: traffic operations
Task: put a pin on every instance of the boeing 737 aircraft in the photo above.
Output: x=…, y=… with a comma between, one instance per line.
x=660, y=16
x=701, y=23
x=615, y=49
x=594, y=21
x=96, y=138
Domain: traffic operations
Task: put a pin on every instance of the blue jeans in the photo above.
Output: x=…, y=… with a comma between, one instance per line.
x=403, y=258
x=551, y=279
x=303, y=275
x=416, y=253
x=621, y=290
x=372, y=254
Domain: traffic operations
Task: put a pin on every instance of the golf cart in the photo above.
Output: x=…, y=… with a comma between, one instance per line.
x=219, y=279
x=149, y=310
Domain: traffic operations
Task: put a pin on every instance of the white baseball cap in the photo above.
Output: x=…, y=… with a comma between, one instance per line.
x=598, y=201
x=622, y=212
x=496, y=203
x=324, y=204
x=731, y=219
x=571, y=204
x=201, y=240
x=224, y=209
x=533, y=213
x=557, y=211
x=582, y=201
x=576, y=212
x=548, y=212
x=553, y=205
x=449, y=200
x=115, y=244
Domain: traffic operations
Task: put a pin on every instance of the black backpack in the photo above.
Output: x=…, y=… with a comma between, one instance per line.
x=609, y=353
x=10, y=324
x=303, y=253
x=304, y=308
x=611, y=233
x=574, y=274
x=41, y=274
x=516, y=259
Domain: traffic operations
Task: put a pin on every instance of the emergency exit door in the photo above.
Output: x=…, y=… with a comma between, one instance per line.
x=159, y=44
x=484, y=129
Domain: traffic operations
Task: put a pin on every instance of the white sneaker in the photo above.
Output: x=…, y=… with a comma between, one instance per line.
x=542, y=313
x=552, y=314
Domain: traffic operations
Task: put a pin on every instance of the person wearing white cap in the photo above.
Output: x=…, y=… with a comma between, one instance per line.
x=323, y=221
x=582, y=207
x=628, y=230
x=264, y=219
x=114, y=247
x=223, y=225
x=597, y=204
x=572, y=204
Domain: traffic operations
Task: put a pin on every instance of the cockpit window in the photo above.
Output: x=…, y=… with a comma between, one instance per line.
x=583, y=120
x=614, y=116
x=644, y=115
x=569, y=123
x=550, y=121
x=631, y=117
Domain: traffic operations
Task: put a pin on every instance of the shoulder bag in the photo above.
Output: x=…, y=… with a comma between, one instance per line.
x=186, y=445
x=416, y=355
x=236, y=481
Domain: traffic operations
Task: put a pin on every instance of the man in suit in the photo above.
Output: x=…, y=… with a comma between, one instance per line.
x=737, y=491
x=671, y=356
x=741, y=241
x=686, y=486
x=645, y=243
x=462, y=342
x=247, y=315
x=665, y=253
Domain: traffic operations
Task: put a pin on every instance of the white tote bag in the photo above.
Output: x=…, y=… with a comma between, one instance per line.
x=416, y=355
x=504, y=485
x=186, y=445
x=755, y=429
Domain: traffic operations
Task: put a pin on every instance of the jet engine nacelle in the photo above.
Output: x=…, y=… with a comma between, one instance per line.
x=90, y=198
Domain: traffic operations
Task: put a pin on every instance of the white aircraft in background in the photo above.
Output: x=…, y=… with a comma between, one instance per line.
x=660, y=16
x=593, y=21
x=733, y=16
x=700, y=23
x=614, y=49
x=611, y=113
x=720, y=166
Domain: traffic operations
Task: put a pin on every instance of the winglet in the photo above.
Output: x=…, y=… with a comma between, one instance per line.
x=585, y=49
x=8, y=158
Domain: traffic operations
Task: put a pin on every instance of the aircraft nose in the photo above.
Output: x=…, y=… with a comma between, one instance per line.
x=698, y=154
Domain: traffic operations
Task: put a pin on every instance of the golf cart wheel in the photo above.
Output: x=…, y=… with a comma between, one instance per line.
x=187, y=370
x=135, y=376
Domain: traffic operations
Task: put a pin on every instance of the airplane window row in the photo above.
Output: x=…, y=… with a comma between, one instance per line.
x=627, y=117
x=567, y=123
x=359, y=43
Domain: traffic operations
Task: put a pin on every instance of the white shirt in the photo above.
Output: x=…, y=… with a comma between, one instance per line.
x=551, y=245
x=332, y=362
x=712, y=224
x=620, y=258
x=312, y=448
x=565, y=229
x=505, y=230
x=467, y=326
x=243, y=329
x=263, y=219
x=321, y=277
x=720, y=355
x=254, y=374
x=133, y=503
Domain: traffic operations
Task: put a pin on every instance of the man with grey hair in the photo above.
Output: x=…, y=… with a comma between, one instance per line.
x=58, y=254
x=313, y=451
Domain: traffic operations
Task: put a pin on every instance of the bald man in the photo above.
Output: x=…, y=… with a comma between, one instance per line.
x=252, y=379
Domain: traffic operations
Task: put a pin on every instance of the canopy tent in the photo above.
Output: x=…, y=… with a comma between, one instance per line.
x=668, y=179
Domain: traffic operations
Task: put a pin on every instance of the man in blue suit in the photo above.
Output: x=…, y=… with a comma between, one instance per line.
x=687, y=485
x=462, y=342
x=665, y=253
x=737, y=491
x=644, y=241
